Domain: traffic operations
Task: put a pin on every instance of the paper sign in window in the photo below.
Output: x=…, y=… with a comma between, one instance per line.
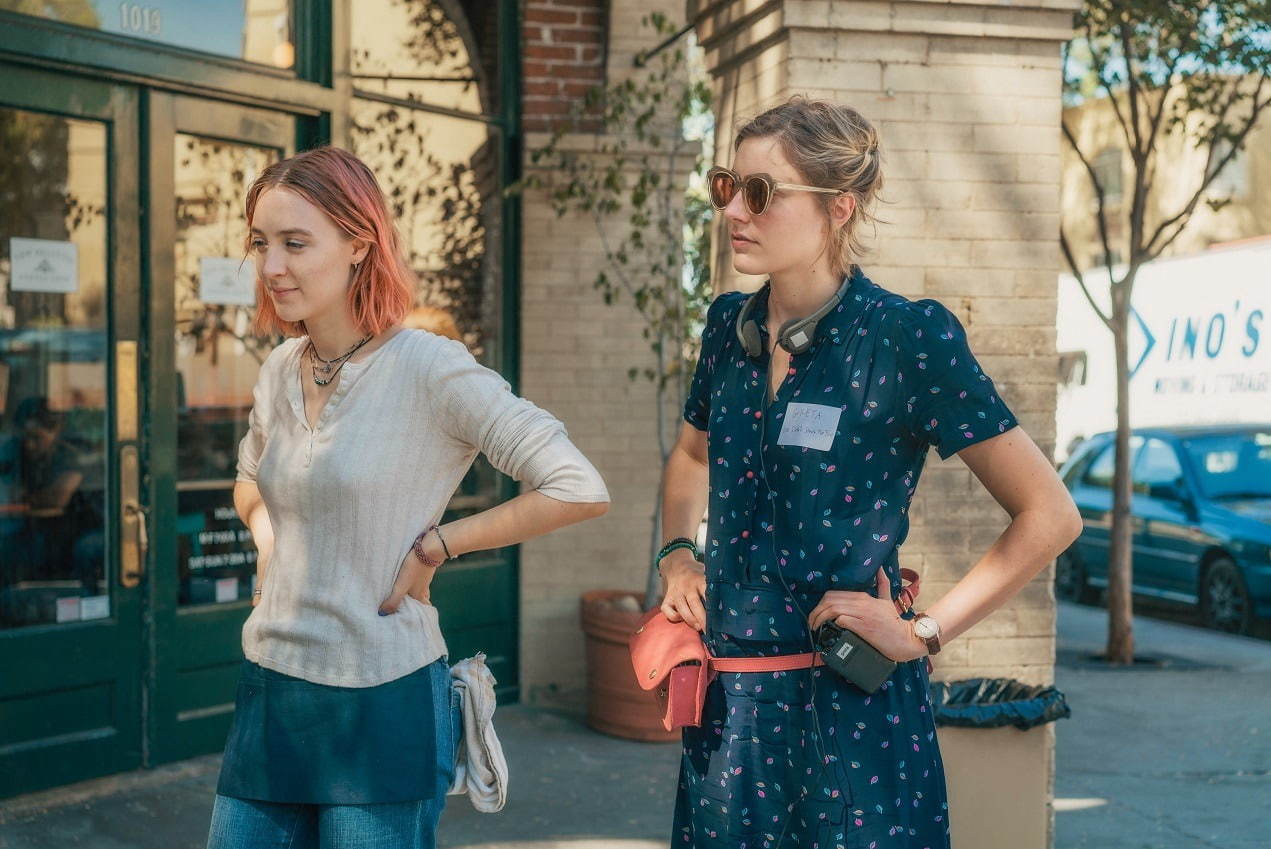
x=43, y=265
x=223, y=280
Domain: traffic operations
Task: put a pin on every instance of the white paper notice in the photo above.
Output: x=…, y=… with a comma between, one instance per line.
x=68, y=609
x=94, y=607
x=809, y=425
x=227, y=589
x=223, y=280
x=43, y=265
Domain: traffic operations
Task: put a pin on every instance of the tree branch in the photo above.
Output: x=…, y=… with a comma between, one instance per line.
x=1102, y=217
x=1101, y=68
x=1151, y=249
x=1136, y=149
x=1081, y=279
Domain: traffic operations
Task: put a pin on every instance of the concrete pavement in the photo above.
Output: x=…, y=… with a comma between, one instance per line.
x=1174, y=756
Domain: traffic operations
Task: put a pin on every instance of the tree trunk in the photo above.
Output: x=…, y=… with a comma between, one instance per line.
x=1120, y=648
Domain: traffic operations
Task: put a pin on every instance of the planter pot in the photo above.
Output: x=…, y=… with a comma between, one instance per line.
x=615, y=703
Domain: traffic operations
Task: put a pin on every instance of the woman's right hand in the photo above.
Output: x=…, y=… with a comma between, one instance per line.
x=262, y=565
x=683, y=589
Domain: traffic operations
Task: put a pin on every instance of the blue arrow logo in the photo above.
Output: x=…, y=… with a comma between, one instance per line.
x=1148, y=337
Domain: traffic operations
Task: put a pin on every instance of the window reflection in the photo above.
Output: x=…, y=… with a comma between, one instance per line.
x=259, y=31
x=53, y=413
x=414, y=50
x=439, y=171
x=446, y=205
x=217, y=359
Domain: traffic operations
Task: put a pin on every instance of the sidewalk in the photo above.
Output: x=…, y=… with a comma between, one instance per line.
x=1170, y=757
x=1174, y=757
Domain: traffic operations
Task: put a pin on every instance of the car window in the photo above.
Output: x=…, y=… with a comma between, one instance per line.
x=1100, y=472
x=1081, y=456
x=1234, y=465
x=1156, y=464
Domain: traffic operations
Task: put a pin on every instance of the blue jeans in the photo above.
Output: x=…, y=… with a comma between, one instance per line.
x=249, y=824
x=253, y=824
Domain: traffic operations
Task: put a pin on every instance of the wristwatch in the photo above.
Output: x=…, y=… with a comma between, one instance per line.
x=927, y=630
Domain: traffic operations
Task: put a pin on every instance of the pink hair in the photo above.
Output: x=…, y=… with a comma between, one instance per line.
x=340, y=184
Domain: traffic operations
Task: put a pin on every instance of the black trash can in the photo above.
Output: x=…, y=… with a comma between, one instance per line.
x=996, y=702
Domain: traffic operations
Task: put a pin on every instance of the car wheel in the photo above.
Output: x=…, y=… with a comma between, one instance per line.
x=1224, y=600
x=1070, y=579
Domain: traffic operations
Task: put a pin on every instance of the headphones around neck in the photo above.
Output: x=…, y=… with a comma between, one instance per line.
x=796, y=335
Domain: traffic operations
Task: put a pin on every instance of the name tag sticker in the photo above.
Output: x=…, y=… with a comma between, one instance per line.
x=809, y=425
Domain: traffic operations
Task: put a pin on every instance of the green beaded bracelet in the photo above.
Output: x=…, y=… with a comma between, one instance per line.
x=678, y=542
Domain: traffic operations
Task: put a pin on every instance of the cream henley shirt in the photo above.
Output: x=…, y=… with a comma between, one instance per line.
x=347, y=498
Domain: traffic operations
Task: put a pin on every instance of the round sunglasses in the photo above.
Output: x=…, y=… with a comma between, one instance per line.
x=756, y=189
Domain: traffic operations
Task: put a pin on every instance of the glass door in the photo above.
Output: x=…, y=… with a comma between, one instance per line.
x=72, y=533
x=204, y=359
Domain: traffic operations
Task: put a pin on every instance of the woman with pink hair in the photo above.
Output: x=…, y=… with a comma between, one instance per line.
x=361, y=430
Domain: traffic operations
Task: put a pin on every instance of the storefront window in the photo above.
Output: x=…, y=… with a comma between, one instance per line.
x=53, y=353
x=419, y=121
x=259, y=31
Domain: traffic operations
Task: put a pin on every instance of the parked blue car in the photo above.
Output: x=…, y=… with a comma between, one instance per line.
x=1201, y=513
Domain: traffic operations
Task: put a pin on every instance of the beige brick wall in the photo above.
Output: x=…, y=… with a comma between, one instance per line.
x=574, y=359
x=967, y=100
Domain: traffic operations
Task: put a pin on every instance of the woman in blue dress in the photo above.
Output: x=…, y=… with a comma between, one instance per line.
x=811, y=411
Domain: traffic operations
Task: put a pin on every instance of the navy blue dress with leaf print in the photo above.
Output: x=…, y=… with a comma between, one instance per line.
x=803, y=758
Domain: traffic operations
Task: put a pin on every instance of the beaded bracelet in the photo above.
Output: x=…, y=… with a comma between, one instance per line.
x=418, y=547
x=678, y=542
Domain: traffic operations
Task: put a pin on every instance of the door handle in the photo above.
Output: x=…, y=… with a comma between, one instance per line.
x=134, y=539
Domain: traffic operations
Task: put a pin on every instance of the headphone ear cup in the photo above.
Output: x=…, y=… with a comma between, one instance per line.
x=796, y=335
x=750, y=339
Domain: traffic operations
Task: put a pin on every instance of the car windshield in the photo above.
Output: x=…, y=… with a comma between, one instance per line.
x=1233, y=465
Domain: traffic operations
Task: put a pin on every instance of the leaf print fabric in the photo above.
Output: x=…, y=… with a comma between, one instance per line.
x=804, y=758
x=953, y=403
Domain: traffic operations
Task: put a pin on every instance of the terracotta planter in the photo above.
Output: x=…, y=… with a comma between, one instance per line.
x=615, y=703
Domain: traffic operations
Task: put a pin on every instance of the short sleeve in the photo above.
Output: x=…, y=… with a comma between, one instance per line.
x=719, y=320
x=950, y=401
x=520, y=439
x=252, y=445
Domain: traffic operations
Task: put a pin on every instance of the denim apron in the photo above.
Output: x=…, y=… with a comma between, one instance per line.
x=296, y=741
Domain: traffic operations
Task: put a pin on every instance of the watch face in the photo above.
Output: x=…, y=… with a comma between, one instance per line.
x=925, y=627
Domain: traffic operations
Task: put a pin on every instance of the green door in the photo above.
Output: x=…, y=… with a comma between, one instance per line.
x=127, y=362
x=72, y=548
x=203, y=360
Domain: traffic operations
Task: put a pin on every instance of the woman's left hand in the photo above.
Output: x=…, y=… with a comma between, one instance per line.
x=875, y=619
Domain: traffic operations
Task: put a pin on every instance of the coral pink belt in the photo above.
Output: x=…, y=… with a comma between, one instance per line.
x=672, y=654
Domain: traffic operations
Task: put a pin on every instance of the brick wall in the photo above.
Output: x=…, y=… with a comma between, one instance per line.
x=564, y=47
